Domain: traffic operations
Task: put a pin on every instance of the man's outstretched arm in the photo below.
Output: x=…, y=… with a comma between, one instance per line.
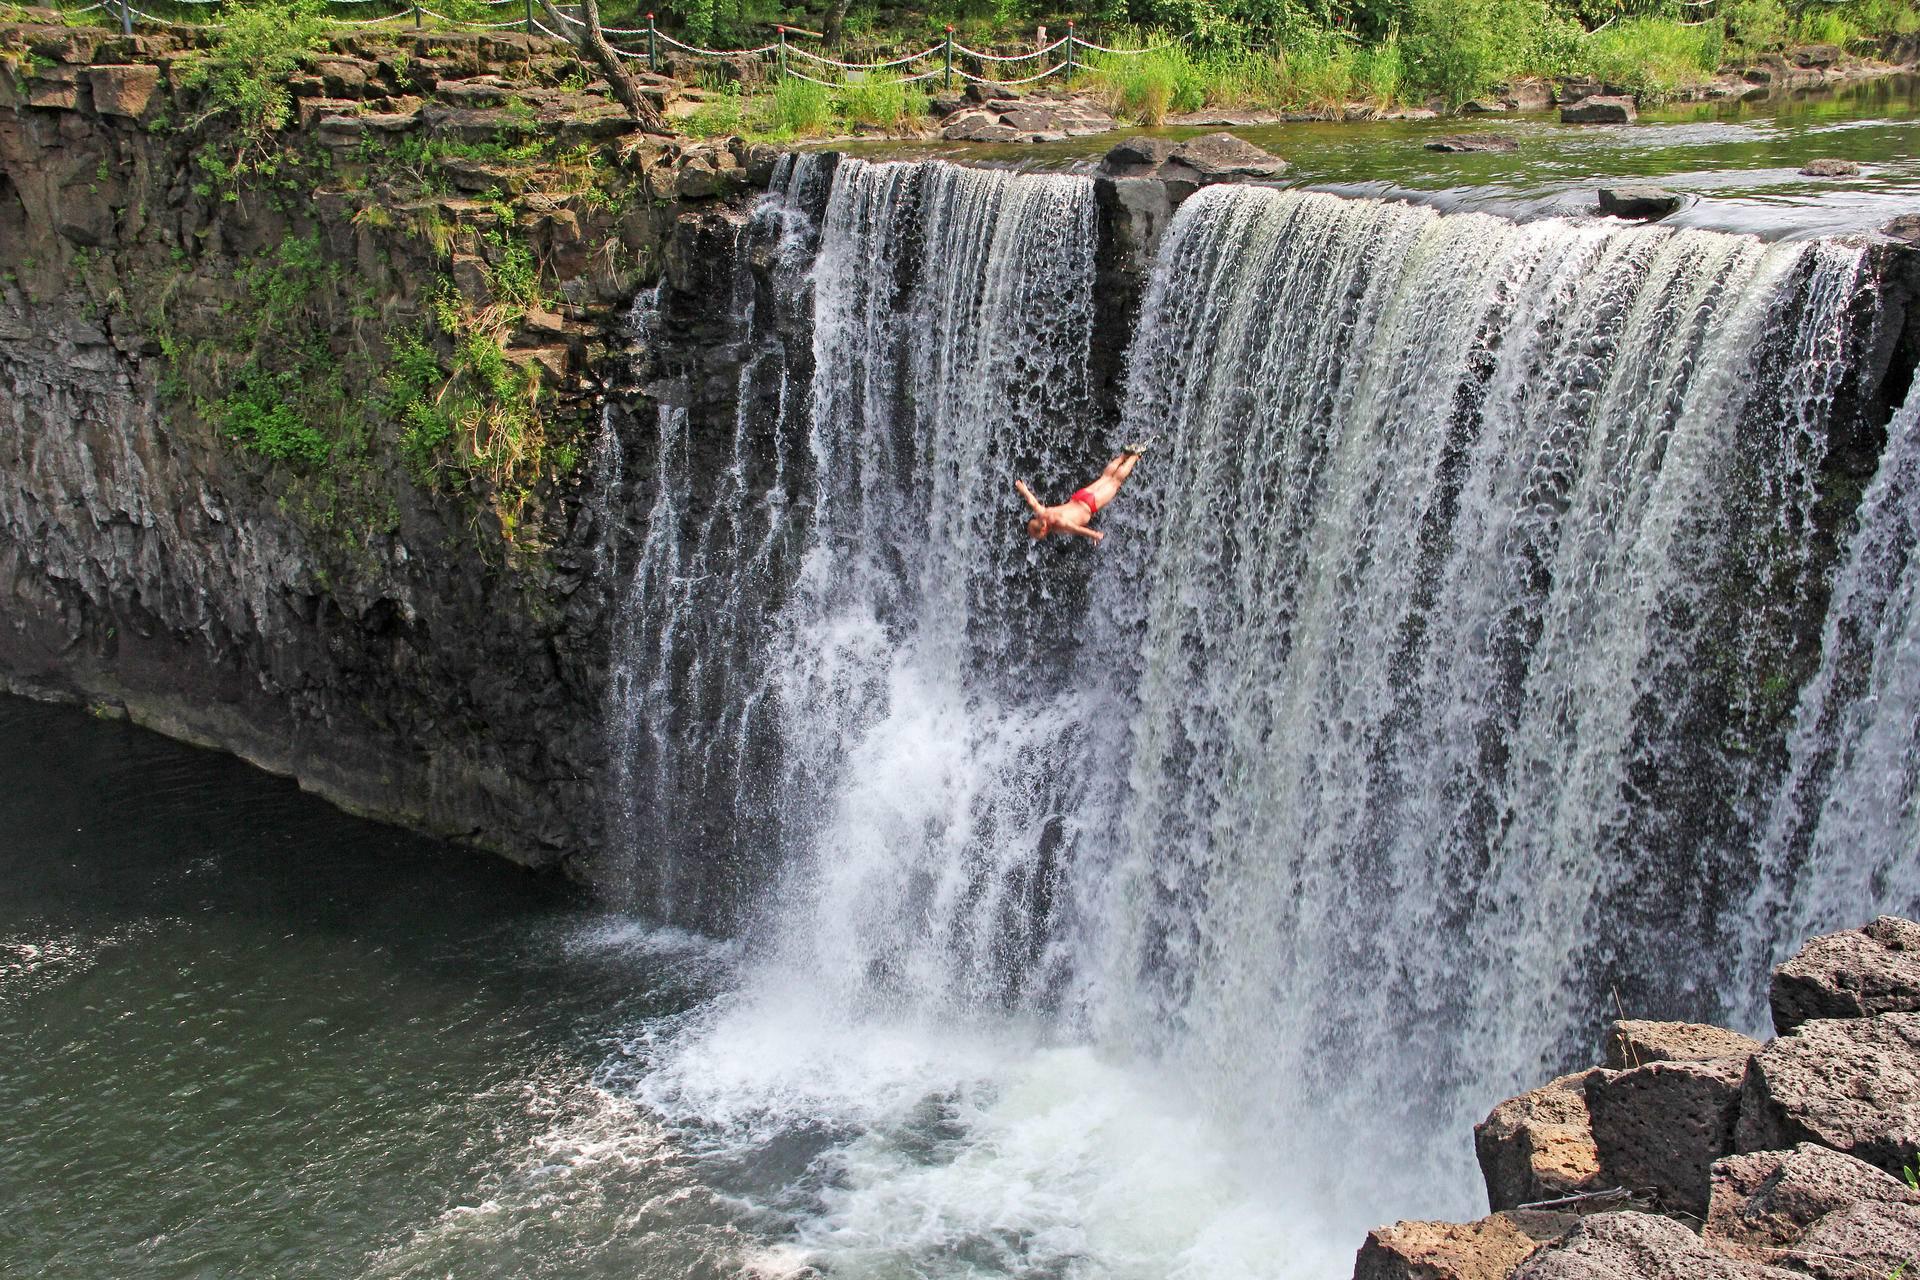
x=1032, y=501
x=1083, y=531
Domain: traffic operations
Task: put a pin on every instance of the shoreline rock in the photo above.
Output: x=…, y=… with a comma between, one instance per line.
x=1744, y=1160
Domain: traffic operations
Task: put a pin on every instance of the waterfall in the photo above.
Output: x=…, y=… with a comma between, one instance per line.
x=1433, y=694
x=1846, y=825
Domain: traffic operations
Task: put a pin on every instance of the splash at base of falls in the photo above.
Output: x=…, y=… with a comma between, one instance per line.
x=1175, y=906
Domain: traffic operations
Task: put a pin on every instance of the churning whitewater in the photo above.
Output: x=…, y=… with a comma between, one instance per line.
x=1459, y=663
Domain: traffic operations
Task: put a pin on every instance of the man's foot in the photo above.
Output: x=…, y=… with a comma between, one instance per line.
x=1139, y=446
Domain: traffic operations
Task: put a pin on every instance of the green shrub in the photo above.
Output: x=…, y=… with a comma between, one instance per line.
x=1754, y=26
x=254, y=49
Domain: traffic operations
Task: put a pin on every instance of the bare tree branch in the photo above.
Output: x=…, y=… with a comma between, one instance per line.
x=594, y=45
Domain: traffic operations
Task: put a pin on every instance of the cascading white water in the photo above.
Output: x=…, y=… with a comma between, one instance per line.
x=1845, y=831
x=1186, y=890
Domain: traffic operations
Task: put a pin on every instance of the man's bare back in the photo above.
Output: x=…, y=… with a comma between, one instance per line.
x=1075, y=514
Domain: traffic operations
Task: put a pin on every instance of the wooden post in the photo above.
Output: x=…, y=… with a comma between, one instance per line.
x=783, y=50
x=1069, y=50
x=529, y=25
x=949, y=55
x=416, y=17
x=653, y=49
x=126, y=17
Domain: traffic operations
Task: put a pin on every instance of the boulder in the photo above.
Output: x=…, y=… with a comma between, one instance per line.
x=1599, y=109
x=1136, y=157
x=1539, y=1145
x=1818, y=56
x=470, y=277
x=1905, y=228
x=1632, y=1043
x=978, y=126
x=1644, y=203
x=123, y=91
x=1473, y=142
x=1659, y=1127
x=1830, y=169
x=1870, y=1240
x=984, y=91
x=1766, y=1201
x=698, y=179
x=1637, y=1246
x=1529, y=95
x=1853, y=974
x=762, y=158
x=1485, y=1250
x=1222, y=157
x=1849, y=1084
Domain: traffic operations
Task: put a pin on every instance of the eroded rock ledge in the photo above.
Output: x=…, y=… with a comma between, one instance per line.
x=1696, y=1152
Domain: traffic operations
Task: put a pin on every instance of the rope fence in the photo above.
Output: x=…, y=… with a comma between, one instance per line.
x=948, y=56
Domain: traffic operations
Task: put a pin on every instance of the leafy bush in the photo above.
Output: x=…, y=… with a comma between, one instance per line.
x=1754, y=26
x=253, y=52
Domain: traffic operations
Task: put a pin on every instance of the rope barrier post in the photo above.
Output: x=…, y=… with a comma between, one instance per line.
x=653, y=50
x=416, y=17
x=783, y=50
x=529, y=25
x=1069, y=50
x=949, y=55
x=126, y=17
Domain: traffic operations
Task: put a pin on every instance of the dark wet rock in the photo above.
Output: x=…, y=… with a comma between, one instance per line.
x=1643, y=203
x=1830, y=169
x=1819, y=56
x=1852, y=974
x=1659, y=1127
x=1539, y=1145
x=1489, y=1249
x=1222, y=157
x=761, y=159
x=1766, y=1201
x=1852, y=1085
x=1906, y=228
x=1136, y=156
x=1600, y=109
x=984, y=91
x=1637, y=1246
x=1633, y=1043
x=1473, y=142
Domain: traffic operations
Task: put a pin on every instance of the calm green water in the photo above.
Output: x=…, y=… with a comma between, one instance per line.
x=242, y=1034
x=1741, y=159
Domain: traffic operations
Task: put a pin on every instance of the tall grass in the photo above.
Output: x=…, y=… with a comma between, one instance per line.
x=796, y=109
x=1653, y=56
x=882, y=101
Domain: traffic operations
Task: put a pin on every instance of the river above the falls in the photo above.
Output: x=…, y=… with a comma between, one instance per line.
x=1739, y=159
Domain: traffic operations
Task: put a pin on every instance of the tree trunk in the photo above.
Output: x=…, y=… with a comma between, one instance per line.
x=836, y=18
x=594, y=45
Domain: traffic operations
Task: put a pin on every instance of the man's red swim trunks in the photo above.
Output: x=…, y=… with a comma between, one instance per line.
x=1086, y=499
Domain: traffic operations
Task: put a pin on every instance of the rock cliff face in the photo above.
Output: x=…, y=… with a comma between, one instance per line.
x=387, y=597
x=1700, y=1152
x=235, y=504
